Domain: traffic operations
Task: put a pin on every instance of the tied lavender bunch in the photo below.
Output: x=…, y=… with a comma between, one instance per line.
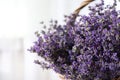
x=85, y=49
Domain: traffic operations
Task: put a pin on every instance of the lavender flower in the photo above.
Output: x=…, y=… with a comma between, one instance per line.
x=87, y=49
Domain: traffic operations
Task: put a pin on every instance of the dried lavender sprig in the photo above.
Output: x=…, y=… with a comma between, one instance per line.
x=87, y=50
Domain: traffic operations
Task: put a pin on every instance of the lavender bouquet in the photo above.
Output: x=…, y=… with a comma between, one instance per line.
x=83, y=49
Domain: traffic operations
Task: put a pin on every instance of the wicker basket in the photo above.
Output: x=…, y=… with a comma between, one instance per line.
x=76, y=12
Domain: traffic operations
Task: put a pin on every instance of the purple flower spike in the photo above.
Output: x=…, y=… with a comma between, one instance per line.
x=87, y=50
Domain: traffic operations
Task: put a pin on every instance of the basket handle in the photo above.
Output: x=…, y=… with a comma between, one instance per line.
x=82, y=5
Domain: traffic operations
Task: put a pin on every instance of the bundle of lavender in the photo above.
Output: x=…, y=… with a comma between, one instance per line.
x=83, y=49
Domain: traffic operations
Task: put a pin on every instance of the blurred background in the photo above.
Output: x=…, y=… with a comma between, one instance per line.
x=19, y=19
